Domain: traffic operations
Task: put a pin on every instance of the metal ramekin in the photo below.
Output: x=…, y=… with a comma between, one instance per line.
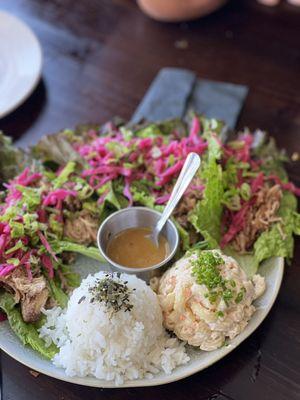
x=136, y=217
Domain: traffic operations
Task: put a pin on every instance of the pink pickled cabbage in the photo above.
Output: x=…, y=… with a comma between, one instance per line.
x=242, y=152
x=47, y=263
x=47, y=245
x=28, y=270
x=257, y=183
x=127, y=192
x=162, y=199
x=198, y=188
x=57, y=195
x=152, y=158
x=25, y=178
x=237, y=223
x=5, y=269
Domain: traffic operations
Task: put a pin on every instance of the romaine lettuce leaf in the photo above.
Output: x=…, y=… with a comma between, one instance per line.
x=56, y=148
x=206, y=218
x=72, y=278
x=60, y=246
x=272, y=243
x=56, y=226
x=58, y=294
x=27, y=333
x=278, y=241
x=296, y=223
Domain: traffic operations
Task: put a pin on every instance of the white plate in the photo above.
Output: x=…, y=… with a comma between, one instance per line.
x=273, y=272
x=20, y=62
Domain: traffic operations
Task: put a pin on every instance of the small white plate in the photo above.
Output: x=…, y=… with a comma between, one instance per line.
x=20, y=62
x=272, y=270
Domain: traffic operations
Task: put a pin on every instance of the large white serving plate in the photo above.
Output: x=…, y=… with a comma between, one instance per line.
x=20, y=62
x=272, y=270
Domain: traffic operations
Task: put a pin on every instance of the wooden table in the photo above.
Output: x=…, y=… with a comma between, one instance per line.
x=99, y=58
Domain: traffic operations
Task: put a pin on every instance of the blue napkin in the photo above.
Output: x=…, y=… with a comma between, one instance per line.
x=174, y=92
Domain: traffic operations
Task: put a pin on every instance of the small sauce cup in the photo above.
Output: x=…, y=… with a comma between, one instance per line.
x=136, y=217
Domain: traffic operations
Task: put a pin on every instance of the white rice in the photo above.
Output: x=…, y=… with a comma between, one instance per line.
x=121, y=346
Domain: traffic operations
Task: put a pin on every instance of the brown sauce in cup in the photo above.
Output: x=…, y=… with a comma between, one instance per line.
x=133, y=248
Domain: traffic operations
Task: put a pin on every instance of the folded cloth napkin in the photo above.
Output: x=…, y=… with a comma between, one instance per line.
x=174, y=92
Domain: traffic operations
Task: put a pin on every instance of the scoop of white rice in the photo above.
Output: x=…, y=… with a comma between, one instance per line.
x=118, y=346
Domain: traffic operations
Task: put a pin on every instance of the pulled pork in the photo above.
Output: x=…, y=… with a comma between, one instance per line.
x=72, y=203
x=259, y=217
x=31, y=294
x=82, y=228
x=188, y=203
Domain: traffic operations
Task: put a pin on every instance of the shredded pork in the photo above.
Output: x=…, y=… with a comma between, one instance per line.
x=188, y=203
x=31, y=294
x=259, y=217
x=82, y=228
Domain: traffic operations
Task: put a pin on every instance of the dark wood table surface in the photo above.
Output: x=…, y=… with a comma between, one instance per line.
x=99, y=58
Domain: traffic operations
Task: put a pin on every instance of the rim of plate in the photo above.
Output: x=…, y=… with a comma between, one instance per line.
x=174, y=376
x=35, y=42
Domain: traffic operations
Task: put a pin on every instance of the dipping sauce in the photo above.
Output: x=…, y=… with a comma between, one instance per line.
x=134, y=248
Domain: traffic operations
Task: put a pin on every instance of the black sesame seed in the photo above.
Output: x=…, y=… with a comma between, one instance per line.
x=81, y=299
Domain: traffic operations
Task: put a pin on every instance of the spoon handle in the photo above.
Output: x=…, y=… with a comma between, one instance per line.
x=190, y=167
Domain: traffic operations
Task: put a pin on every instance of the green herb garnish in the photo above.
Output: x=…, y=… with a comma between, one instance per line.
x=232, y=283
x=240, y=295
x=227, y=295
x=206, y=271
x=115, y=294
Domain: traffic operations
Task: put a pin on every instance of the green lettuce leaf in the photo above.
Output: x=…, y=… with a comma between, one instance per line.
x=64, y=174
x=184, y=236
x=12, y=159
x=83, y=189
x=56, y=148
x=206, y=218
x=278, y=241
x=151, y=130
x=141, y=194
x=113, y=195
x=288, y=202
x=273, y=159
x=296, y=223
x=27, y=333
x=210, y=125
x=58, y=294
x=56, y=226
x=60, y=246
x=73, y=278
x=118, y=149
x=271, y=243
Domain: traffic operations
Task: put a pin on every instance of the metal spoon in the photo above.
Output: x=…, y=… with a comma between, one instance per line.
x=190, y=167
